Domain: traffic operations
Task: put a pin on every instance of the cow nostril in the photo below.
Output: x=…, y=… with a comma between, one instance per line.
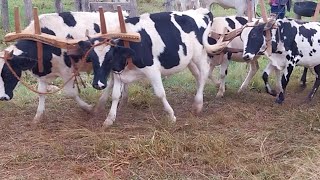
x=96, y=86
x=246, y=57
x=4, y=99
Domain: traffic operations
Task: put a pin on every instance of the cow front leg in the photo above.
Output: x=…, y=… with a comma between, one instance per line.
x=223, y=74
x=265, y=76
x=303, y=79
x=253, y=68
x=284, y=82
x=42, y=87
x=100, y=106
x=157, y=85
x=71, y=90
x=316, y=83
x=116, y=95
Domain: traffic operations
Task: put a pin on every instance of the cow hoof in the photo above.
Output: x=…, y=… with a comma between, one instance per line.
x=37, y=119
x=273, y=93
x=219, y=95
x=197, y=108
x=107, y=123
x=279, y=101
x=173, y=119
x=303, y=85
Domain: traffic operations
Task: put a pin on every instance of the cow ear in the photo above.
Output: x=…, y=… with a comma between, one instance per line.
x=84, y=45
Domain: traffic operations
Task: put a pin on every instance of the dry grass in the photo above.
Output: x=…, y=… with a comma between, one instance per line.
x=243, y=136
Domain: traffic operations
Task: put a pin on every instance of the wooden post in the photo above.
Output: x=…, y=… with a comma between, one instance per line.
x=316, y=12
x=27, y=11
x=85, y=5
x=102, y=21
x=268, y=33
x=77, y=5
x=133, y=10
x=124, y=30
x=249, y=10
x=17, y=26
x=37, y=30
x=5, y=15
x=58, y=6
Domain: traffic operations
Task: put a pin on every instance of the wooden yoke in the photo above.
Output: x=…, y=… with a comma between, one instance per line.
x=37, y=30
x=268, y=33
x=123, y=30
x=316, y=12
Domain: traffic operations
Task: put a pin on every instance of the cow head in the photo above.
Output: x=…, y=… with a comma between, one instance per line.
x=255, y=40
x=7, y=80
x=104, y=58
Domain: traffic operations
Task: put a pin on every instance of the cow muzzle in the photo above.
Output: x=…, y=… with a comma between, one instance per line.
x=248, y=56
x=99, y=85
x=5, y=98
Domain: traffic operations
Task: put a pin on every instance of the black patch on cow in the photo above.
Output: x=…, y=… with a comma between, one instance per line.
x=231, y=23
x=314, y=50
x=96, y=27
x=68, y=19
x=255, y=39
x=69, y=36
x=30, y=52
x=290, y=32
x=171, y=38
x=307, y=33
x=199, y=36
x=186, y=23
x=133, y=20
x=47, y=31
x=242, y=20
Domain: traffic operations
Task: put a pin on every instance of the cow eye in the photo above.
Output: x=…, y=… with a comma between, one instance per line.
x=254, y=35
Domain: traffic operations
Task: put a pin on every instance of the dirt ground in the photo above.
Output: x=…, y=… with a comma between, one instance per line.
x=242, y=136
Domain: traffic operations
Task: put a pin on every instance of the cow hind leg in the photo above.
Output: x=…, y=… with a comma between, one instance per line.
x=254, y=66
x=316, y=83
x=223, y=74
x=303, y=79
x=204, y=69
x=265, y=77
x=42, y=87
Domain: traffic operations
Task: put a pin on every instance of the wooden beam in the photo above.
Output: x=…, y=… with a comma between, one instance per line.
x=37, y=31
x=249, y=10
x=124, y=30
x=102, y=21
x=17, y=26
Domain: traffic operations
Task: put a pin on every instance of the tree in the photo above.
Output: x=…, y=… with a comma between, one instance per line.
x=5, y=15
x=28, y=11
x=58, y=6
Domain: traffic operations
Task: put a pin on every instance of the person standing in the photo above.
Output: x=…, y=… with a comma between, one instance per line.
x=278, y=7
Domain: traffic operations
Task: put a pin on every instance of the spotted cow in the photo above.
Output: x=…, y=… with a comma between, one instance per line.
x=56, y=62
x=293, y=43
x=170, y=42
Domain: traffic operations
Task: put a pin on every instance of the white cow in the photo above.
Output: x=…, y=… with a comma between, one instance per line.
x=239, y=5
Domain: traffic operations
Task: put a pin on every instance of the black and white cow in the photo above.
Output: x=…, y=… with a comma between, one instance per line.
x=56, y=62
x=231, y=23
x=170, y=42
x=293, y=43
